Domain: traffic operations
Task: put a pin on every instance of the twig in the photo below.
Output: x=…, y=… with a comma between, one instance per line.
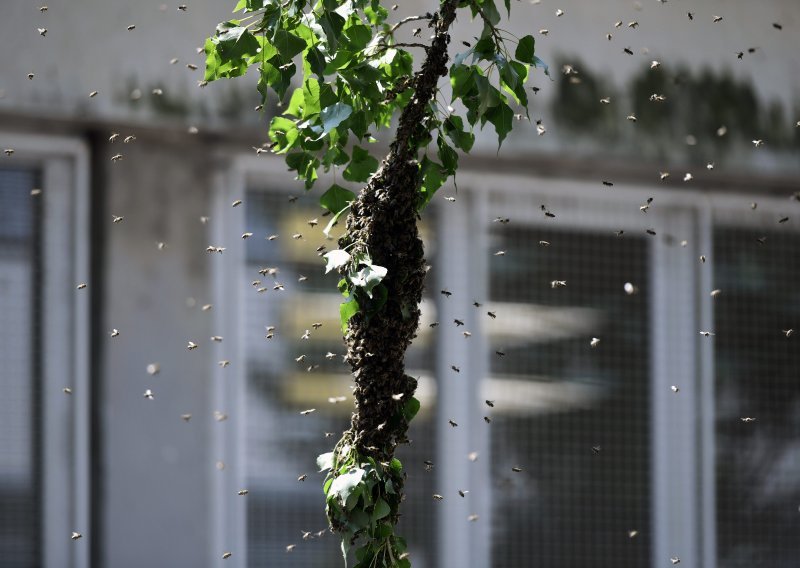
x=426, y=16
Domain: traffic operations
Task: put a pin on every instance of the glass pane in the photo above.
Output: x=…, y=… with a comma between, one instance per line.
x=758, y=461
x=19, y=503
x=297, y=366
x=574, y=418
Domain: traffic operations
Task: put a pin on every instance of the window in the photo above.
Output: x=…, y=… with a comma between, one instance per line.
x=624, y=423
x=44, y=465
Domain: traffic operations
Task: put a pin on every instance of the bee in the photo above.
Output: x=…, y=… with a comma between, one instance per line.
x=116, y=157
x=619, y=233
x=655, y=64
x=173, y=61
x=687, y=177
x=777, y=26
x=489, y=403
x=487, y=419
x=205, y=219
x=632, y=533
x=114, y=333
x=186, y=417
x=278, y=286
x=655, y=97
x=544, y=32
x=596, y=450
x=226, y=555
x=758, y=143
x=644, y=208
x=761, y=240
x=247, y=235
x=182, y=7
x=787, y=332
x=691, y=15
x=191, y=67
x=456, y=369
x=220, y=416
x=783, y=219
x=67, y=390
x=297, y=236
x=501, y=220
x=30, y=76
x=434, y=324
x=300, y=359
x=463, y=492
x=292, y=198
x=117, y=218
x=437, y=497
x=212, y=248
x=302, y=477
x=716, y=19
x=191, y=346
x=674, y=389
x=302, y=278
x=631, y=117
x=675, y=559
x=491, y=315
x=131, y=28
x=153, y=369
x=307, y=412
x=450, y=199
x=651, y=232
x=748, y=419
x=129, y=139
x=330, y=355
x=207, y=307
x=516, y=469
x=500, y=253
x=609, y=36
x=428, y=465
x=81, y=286
x=313, y=222
x=75, y=535
x=307, y=535
x=316, y=325
x=663, y=175
x=472, y=518
x=242, y=492
x=500, y=353
x=630, y=289
x=559, y=13
x=618, y=24
x=336, y=399
x=540, y=128
x=707, y=333
x=306, y=335
x=458, y=322
x=558, y=284
x=416, y=32
x=290, y=547
x=594, y=342
x=161, y=246
x=43, y=9
x=633, y=25
x=628, y=50
x=472, y=456
x=148, y=394
x=702, y=259
x=446, y=293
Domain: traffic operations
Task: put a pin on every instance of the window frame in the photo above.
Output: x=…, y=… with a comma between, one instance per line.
x=65, y=453
x=682, y=470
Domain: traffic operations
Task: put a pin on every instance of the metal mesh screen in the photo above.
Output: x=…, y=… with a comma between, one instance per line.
x=757, y=461
x=19, y=462
x=298, y=366
x=572, y=417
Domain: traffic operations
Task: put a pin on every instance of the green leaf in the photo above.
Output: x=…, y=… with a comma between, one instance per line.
x=508, y=7
x=284, y=133
x=462, y=80
x=288, y=44
x=325, y=461
x=357, y=37
x=332, y=24
x=332, y=223
x=344, y=485
x=296, y=103
x=490, y=11
x=368, y=277
x=332, y=116
x=381, y=510
x=488, y=95
x=525, y=49
x=454, y=129
x=311, y=97
x=447, y=156
x=335, y=258
x=432, y=180
x=539, y=63
x=502, y=117
x=305, y=164
x=336, y=198
x=316, y=60
x=410, y=409
x=346, y=311
x=362, y=165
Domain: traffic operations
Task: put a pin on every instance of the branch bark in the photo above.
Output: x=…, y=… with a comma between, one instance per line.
x=383, y=221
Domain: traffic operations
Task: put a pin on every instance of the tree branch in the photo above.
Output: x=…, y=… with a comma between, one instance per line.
x=426, y=16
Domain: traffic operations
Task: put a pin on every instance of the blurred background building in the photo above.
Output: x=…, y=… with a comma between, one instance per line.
x=658, y=443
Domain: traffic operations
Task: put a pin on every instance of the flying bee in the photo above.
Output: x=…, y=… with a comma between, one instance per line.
x=487, y=419
x=491, y=315
x=594, y=342
x=116, y=157
x=628, y=50
x=716, y=19
x=446, y=293
x=224, y=363
x=129, y=139
x=456, y=369
x=75, y=535
x=191, y=346
x=114, y=333
x=290, y=547
x=516, y=469
x=186, y=417
x=302, y=477
x=131, y=28
x=242, y=492
x=500, y=353
x=558, y=284
x=596, y=450
x=81, y=286
x=655, y=64
x=307, y=412
x=707, y=333
x=67, y=390
x=458, y=322
x=463, y=492
x=247, y=235
x=500, y=253
x=148, y=394
x=675, y=389
x=191, y=67
x=437, y=497
x=472, y=518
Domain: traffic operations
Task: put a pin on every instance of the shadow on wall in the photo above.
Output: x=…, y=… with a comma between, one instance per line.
x=707, y=113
